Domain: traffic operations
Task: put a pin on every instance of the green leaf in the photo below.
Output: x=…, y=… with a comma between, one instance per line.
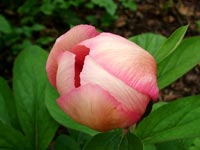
x=5, y=26
x=184, y=58
x=176, y=120
x=114, y=141
x=27, y=7
x=64, y=142
x=130, y=142
x=11, y=139
x=107, y=19
x=30, y=82
x=109, y=5
x=80, y=137
x=70, y=17
x=172, y=145
x=47, y=8
x=44, y=40
x=105, y=141
x=92, y=19
x=184, y=144
x=170, y=44
x=5, y=95
x=149, y=147
x=181, y=144
x=195, y=144
x=7, y=108
x=149, y=41
x=130, y=4
x=37, y=27
x=158, y=105
x=59, y=115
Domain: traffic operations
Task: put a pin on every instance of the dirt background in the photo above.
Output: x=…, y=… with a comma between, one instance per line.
x=157, y=16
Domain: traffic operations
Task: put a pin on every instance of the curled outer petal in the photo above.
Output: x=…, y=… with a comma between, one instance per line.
x=128, y=97
x=125, y=60
x=65, y=43
x=92, y=106
x=65, y=73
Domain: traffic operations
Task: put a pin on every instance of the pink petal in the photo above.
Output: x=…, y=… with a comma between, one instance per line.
x=80, y=52
x=125, y=60
x=65, y=73
x=65, y=43
x=94, y=107
x=131, y=99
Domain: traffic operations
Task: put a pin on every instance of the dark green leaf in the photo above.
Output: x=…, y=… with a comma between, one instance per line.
x=130, y=142
x=92, y=19
x=149, y=41
x=80, y=137
x=181, y=144
x=44, y=40
x=184, y=144
x=47, y=8
x=37, y=27
x=107, y=19
x=185, y=57
x=170, y=44
x=105, y=141
x=109, y=5
x=30, y=82
x=195, y=144
x=149, y=147
x=172, y=145
x=70, y=17
x=5, y=26
x=130, y=4
x=26, y=7
x=114, y=141
x=11, y=139
x=59, y=115
x=176, y=120
x=158, y=105
x=64, y=142
x=7, y=105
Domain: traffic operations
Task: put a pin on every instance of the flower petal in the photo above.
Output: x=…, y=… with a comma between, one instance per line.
x=94, y=107
x=65, y=43
x=125, y=60
x=80, y=52
x=65, y=73
x=131, y=99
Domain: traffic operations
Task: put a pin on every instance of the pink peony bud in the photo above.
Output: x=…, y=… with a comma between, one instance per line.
x=104, y=80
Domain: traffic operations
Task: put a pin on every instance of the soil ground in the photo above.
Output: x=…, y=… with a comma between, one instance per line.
x=157, y=16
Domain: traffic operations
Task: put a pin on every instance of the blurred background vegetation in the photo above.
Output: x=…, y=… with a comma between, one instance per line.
x=40, y=22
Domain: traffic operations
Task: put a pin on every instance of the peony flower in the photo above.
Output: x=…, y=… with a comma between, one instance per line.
x=104, y=80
